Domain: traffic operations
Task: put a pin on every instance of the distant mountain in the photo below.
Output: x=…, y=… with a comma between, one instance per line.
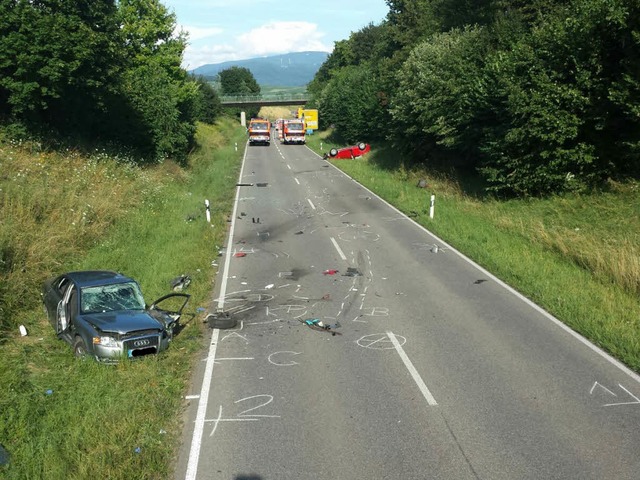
x=287, y=70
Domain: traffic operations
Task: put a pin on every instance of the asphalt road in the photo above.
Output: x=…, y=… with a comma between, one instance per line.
x=434, y=369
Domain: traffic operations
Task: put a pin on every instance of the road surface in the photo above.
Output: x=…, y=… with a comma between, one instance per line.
x=432, y=368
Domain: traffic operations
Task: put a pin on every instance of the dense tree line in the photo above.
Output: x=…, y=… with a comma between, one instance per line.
x=100, y=70
x=537, y=96
x=241, y=82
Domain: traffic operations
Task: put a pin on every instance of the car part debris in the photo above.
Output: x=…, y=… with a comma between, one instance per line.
x=221, y=320
x=330, y=272
x=180, y=283
x=262, y=184
x=244, y=184
x=478, y=282
x=239, y=254
x=23, y=330
x=353, y=272
x=319, y=325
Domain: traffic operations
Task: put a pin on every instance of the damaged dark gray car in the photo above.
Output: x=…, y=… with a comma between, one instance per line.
x=103, y=314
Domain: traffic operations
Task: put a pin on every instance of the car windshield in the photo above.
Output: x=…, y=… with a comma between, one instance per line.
x=111, y=298
x=260, y=127
x=296, y=127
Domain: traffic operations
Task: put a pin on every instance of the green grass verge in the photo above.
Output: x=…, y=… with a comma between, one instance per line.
x=67, y=419
x=575, y=256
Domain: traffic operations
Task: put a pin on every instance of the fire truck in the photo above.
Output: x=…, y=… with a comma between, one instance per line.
x=259, y=131
x=293, y=132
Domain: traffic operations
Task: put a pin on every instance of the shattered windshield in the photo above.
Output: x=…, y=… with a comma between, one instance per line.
x=111, y=298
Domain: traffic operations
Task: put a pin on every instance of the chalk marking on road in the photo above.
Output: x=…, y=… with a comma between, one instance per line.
x=412, y=370
x=340, y=252
x=288, y=166
x=636, y=402
x=287, y=364
x=311, y=203
x=234, y=334
x=234, y=358
x=297, y=181
x=216, y=421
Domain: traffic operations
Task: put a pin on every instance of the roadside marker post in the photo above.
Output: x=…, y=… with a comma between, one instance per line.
x=432, y=206
x=208, y=210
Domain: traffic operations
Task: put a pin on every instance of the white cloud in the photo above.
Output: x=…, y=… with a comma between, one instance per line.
x=282, y=37
x=269, y=39
x=198, y=33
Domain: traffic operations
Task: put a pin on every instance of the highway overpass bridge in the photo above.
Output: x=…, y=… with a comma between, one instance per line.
x=264, y=100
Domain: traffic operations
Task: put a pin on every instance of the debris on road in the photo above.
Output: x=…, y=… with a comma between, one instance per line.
x=319, y=325
x=239, y=254
x=352, y=272
x=220, y=320
x=330, y=272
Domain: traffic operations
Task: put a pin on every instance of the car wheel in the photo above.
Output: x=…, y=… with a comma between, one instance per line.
x=362, y=146
x=221, y=320
x=80, y=348
x=333, y=152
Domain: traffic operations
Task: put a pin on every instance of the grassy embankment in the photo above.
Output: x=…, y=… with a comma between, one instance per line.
x=67, y=419
x=577, y=256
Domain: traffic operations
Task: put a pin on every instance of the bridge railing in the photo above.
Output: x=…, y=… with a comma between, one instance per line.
x=238, y=99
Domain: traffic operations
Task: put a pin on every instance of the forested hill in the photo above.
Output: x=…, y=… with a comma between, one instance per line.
x=287, y=70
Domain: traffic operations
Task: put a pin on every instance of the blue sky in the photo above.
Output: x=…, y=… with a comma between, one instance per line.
x=221, y=30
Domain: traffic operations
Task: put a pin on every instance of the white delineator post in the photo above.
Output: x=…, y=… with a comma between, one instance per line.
x=208, y=210
x=432, y=206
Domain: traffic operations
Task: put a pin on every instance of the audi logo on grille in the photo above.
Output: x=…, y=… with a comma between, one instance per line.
x=141, y=343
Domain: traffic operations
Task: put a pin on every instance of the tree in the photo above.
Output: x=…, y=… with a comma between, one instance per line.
x=350, y=103
x=161, y=104
x=439, y=107
x=238, y=81
x=570, y=95
x=58, y=62
x=209, y=106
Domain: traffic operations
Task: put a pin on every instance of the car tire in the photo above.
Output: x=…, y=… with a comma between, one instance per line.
x=221, y=321
x=80, y=348
x=362, y=146
x=333, y=152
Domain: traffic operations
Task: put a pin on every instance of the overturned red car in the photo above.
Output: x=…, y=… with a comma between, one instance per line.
x=353, y=151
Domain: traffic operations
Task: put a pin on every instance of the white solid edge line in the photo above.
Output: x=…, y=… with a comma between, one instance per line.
x=196, y=440
x=335, y=244
x=576, y=335
x=412, y=370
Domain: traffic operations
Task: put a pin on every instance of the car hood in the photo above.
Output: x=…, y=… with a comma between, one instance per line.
x=123, y=322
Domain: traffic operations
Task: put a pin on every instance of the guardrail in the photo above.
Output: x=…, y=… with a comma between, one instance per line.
x=288, y=99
